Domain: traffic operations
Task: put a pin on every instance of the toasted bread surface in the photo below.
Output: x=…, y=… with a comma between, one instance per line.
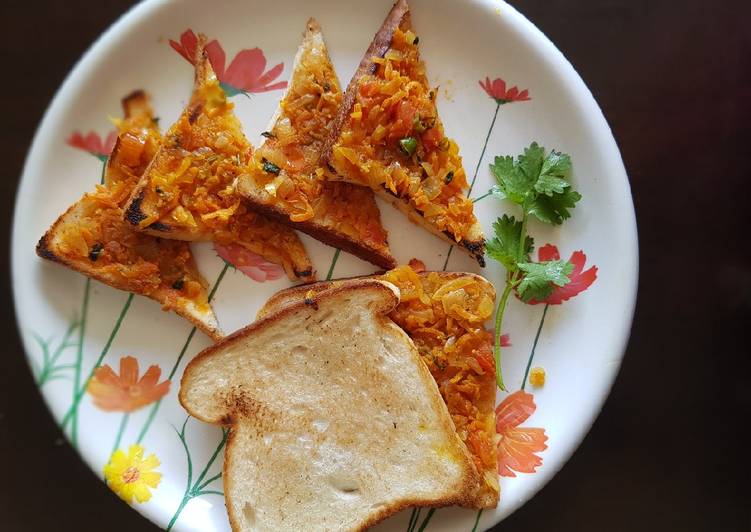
x=335, y=422
x=91, y=237
x=463, y=367
x=188, y=190
x=284, y=180
x=388, y=135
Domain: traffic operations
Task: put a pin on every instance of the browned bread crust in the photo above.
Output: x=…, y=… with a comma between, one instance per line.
x=327, y=235
x=230, y=414
x=286, y=249
x=339, y=200
x=135, y=104
x=378, y=47
x=398, y=16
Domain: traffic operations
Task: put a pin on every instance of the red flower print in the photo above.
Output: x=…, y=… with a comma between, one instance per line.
x=517, y=446
x=251, y=264
x=245, y=73
x=187, y=46
x=496, y=89
x=125, y=392
x=93, y=143
x=580, y=280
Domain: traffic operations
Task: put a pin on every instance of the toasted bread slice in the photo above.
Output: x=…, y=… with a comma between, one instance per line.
x=387, y=135
x=91, y=237
x=335, y=422
x=463, y=367
x=284, y=181
x=187, y=192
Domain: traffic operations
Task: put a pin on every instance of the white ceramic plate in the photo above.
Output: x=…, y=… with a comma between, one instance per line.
x=580, y=345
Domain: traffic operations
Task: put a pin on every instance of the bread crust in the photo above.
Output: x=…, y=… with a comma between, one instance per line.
x=312, y=227
x=268, y=320
x=378, y=48
x=45, y=250
x=326, y=235
x=483, y=497
x=135, y=102
x=462, y=492
x=297, y=264
x=474, y=242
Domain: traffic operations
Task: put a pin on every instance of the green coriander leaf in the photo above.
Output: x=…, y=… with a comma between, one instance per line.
x=530, y=164
x=497, y=192
x=555, y=174
x=539, y=278
x=555, y=208
x=504, y=246
x=537, y=182
x=511, y=180
x=408, y=145
x=270, y=167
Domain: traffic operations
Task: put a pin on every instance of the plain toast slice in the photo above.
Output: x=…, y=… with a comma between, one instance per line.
x=284, y=180
x=457, y=351
x=335, y=423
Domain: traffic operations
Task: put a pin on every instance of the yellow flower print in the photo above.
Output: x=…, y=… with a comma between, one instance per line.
x=131, y=475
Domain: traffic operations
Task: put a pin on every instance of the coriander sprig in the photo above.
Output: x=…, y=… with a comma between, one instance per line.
x=539, y=184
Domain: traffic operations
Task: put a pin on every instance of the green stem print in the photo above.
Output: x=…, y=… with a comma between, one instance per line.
x=81, y=336
x=534, y=347
x=155, y=407
x=477, y=520
x=120, y=432
x=72, y=414
x=477, y=199
x=104, y=169
x=118, y=439
x=413, y=518
x=333, y=264
x=425, y=521
x=50, y=370
x=79, y=356
x=197, y=488
x=484, y=147
x=474, y=175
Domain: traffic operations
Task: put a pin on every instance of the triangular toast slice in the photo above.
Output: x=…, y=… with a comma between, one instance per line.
x=457, y=351
x=335, y=423
x=92, y=238
x=285, y=182
x=188, y=192
x=387, y=135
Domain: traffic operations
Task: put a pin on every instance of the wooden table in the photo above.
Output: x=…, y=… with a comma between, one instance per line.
x=674, y=81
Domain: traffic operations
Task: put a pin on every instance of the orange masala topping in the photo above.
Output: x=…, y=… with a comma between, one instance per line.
x=445, y=321
x=394, y=138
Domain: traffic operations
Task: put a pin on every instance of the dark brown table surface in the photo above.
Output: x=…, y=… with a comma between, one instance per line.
x=674, y=81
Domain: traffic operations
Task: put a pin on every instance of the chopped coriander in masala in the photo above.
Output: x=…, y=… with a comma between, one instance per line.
x=391, y=138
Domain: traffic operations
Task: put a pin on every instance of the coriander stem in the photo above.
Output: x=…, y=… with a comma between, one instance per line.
x=523, y=236
x=498, y=323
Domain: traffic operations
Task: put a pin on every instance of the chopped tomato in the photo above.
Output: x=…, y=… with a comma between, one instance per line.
x=405, y=114
x=482, y=450
x=431, y=138
x=484, y=356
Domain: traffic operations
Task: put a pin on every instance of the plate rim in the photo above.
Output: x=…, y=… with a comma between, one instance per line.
x=536, y=39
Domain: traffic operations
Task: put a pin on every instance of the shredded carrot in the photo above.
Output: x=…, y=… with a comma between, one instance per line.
x=444, y=319
x=394, y=138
